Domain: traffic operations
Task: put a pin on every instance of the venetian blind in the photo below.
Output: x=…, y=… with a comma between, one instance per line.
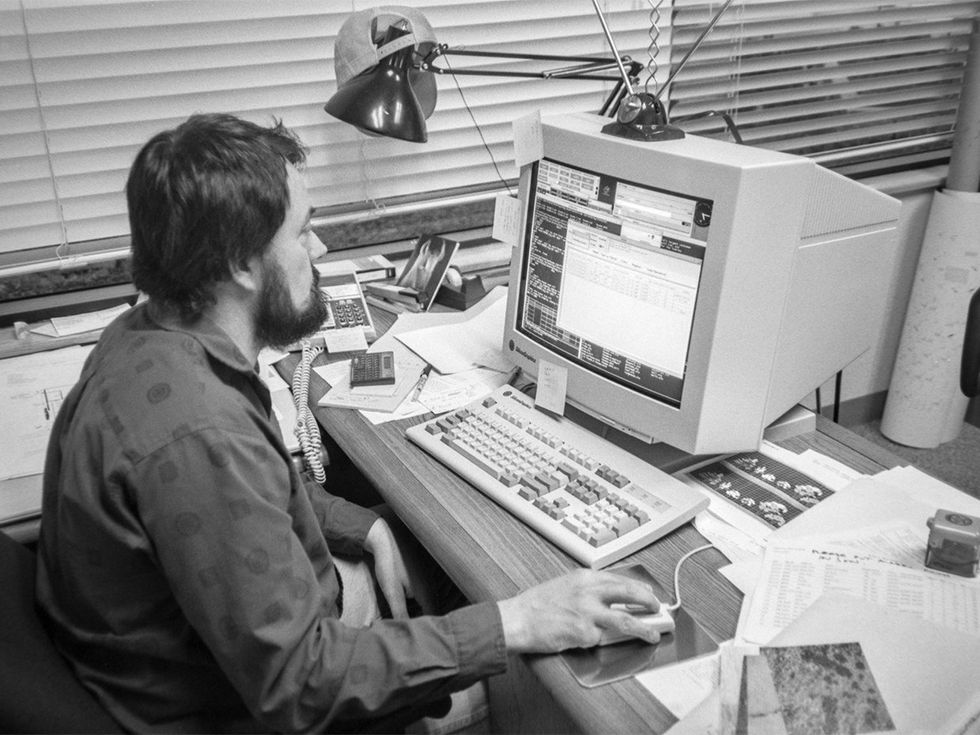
x=84, y=83
x=863, y=87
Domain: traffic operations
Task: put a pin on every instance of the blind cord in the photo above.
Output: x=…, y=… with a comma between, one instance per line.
x=477, y=126
x=44, y=135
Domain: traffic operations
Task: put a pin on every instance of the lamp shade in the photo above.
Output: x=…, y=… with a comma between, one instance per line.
x=381, y=100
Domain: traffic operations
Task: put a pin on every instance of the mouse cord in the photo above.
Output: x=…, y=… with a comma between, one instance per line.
x=677, y=573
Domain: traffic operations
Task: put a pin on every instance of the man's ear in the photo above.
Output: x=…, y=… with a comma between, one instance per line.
x=248, y=275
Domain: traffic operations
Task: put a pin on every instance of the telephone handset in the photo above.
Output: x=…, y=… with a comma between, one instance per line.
x=307, y=430
x=346, y=308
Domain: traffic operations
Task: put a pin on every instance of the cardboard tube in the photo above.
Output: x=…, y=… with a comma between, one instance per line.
x=925, y=406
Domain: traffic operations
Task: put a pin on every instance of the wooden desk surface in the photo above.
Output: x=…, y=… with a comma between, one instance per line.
x=491, y=555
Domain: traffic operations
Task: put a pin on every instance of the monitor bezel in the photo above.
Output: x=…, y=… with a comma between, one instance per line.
x=701, y=168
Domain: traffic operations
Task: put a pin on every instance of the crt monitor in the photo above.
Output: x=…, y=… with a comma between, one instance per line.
x=691, y=291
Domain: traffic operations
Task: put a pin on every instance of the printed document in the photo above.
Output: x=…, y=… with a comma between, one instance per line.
x=794, y=577
x=32, y=388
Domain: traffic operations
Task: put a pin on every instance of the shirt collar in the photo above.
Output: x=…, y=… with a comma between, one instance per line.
x=210, y=336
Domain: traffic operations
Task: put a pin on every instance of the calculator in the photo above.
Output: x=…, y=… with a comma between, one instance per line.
x=372, y=368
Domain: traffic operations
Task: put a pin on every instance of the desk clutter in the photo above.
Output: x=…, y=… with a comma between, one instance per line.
x=832, y=564
x=441, y=361
x=861, y=607
x=416, y=287
x=844, y=626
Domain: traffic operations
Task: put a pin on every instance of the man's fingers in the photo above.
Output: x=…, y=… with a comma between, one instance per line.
x=395, y=596
x=621, y=621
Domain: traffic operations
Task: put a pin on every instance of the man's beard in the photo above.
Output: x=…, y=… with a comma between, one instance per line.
x=277, y=322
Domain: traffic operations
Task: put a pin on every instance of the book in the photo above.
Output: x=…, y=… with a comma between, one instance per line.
x=398, y=294
x=367, y=267
x=392, y=307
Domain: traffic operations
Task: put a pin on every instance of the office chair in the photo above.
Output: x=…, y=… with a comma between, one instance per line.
x=970, y=365
x=39, y=692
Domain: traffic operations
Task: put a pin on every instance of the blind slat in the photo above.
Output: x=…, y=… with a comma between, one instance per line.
x=111, y=73
x=810, y=77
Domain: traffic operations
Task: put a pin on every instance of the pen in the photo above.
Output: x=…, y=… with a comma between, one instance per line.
x=421, y=384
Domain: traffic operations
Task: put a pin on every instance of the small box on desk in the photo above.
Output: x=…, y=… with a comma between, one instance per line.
x=469, y=292
x=954, y=543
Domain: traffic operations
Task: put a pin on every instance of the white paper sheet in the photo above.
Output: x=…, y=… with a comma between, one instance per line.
x=683, y=686
x=347, y=339
x=443, y=393
x=793, y=578
x=32, y=388
x=475, y=342
x=62, y=326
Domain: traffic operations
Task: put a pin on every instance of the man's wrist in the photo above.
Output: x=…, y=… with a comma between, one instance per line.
x=516, y=633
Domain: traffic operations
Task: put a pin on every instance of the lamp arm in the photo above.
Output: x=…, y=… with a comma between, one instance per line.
x=585, y=67
x=612, y=45
x=694, y=47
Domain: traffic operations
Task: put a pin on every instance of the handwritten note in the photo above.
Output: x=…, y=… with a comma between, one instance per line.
x=552, y=387
x=528, y=139
x=507, y=219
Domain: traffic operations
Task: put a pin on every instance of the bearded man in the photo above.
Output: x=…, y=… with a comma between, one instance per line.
x=187, y=570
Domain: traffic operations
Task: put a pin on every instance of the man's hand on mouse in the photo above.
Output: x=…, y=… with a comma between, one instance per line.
x=575, y=610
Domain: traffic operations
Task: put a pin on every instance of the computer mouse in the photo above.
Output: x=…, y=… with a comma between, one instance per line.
x=662, y=622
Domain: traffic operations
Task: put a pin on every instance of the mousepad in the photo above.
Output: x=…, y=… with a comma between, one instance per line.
x=604, y=664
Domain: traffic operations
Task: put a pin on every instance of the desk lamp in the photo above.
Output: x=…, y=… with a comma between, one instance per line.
x=385, y=58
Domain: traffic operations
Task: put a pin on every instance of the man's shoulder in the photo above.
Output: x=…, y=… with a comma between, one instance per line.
x=139, y=350
x=147, y=373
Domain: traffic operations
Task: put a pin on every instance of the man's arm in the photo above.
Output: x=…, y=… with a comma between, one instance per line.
x=345, y=524
x=248, y=566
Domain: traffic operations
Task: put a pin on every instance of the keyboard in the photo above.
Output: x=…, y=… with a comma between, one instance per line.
x=592, y=499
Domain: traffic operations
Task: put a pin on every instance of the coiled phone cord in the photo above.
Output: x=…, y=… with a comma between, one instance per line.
x=307, y=430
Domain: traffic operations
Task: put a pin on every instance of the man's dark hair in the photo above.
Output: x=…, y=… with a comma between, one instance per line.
x=203, y=198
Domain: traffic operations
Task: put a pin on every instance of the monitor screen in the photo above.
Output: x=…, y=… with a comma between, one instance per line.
x=601, y=252
x=689, y=291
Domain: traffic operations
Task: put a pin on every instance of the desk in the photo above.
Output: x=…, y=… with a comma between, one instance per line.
x=491, y=556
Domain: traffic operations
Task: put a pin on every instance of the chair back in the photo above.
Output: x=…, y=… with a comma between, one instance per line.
x=38, y=690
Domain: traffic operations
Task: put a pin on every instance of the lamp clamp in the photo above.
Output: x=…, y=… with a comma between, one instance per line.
x=641, y=116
